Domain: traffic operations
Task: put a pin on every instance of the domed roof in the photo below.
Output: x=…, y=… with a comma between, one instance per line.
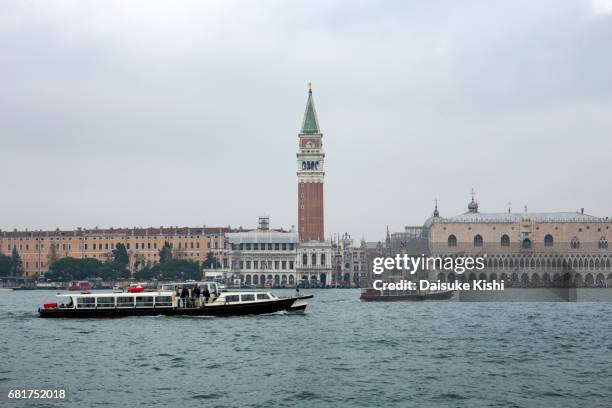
x=473, y=206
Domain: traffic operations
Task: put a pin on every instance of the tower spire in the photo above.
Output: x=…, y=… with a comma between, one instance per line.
x=311, y=122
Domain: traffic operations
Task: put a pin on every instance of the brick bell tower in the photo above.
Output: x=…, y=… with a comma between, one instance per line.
x=310, y=158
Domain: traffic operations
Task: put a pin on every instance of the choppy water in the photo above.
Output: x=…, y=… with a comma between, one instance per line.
x=342, y=353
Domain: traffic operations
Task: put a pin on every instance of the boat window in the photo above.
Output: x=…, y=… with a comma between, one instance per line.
x=144, y=301
x=272, y=295
x=127, y=301
x=262, y=296
x=106, y=302
x=247, y=298
x=163, y=301
x=232, y=298
x=86, y=302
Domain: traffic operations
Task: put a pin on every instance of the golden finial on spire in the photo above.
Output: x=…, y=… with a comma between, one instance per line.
x=309, y=86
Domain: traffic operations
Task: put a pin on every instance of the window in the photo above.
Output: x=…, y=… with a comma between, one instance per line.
x=478, y=240
x=255, y=264
x=248, y=247
x=284, y=264
x=255, y=246
x=304, y=259
x=505, y=240
x=248, y=297
x=314, y=259
x=84, y=302
x=602, y=243
x=144, y=301
x=526, y=243
x=232, y=298
x=574, y=243
x=262, y=296
x=290, y=264
x=276, y=247
x=452, y=241
x=290, y=247
x=284, y=247
x=161, y=301
x=106, y=302
x=127, y=301
x=548, y=240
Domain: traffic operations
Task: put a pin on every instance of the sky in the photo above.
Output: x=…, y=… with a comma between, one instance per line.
x=149, y=113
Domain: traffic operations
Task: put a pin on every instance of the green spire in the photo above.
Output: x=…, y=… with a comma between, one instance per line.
x=311, y=124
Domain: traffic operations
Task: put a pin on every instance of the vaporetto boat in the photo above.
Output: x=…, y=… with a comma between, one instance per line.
x=106, y=305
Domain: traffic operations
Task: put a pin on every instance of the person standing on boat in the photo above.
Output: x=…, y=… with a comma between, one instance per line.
x=206, y=294
x=184, y=296
x=196, y=294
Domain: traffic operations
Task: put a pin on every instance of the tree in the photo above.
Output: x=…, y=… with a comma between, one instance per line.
x=16, y=263
x=52, y=255
x=211, y=261
x=121, y=255
x=173, y=269
x=74, y=269
x=5, y=265
x=165, y=254
x=111, y=271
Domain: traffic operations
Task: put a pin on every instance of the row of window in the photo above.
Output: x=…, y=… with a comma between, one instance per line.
x=263, y=247
x=526, y=243
x=313, y=260
x=266, y=265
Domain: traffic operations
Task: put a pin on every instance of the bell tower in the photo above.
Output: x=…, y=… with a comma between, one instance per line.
x=310, y=159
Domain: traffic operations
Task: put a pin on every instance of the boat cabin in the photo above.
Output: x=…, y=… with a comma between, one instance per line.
x=116, y=300
x=228, y=298
x=213, y=287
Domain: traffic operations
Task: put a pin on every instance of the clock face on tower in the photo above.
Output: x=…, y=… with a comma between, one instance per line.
x=310, y=165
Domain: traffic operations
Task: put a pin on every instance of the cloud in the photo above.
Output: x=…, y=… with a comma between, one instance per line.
x=195, y=107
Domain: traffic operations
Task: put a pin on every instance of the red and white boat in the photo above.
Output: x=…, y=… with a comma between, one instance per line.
x=80, y=286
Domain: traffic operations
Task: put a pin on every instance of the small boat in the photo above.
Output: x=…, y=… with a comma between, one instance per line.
x=105, y=305
x=373, y=295
x=79, y=286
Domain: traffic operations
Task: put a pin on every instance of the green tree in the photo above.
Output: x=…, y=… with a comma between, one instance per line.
x=121, y=255
x=165, y=254
x=111, y=271
x=211, y=261
x=16, y=263
x=74, y=269
x=176, y=269
x=5, y=265
x=52, y=255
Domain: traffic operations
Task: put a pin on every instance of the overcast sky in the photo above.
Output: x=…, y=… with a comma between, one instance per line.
x=146, y=113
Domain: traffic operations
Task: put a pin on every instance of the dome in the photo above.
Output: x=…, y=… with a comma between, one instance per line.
x=473, y=206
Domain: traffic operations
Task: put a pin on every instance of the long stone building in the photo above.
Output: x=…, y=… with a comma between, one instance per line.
x=526, y=249
x=38, y=249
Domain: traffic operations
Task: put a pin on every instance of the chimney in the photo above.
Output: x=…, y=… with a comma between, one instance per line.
x=582, y=210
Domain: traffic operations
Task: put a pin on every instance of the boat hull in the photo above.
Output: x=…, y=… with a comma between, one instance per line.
x=410, y=297
x=272, y=306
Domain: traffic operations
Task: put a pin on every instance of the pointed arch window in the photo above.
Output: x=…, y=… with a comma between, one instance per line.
x=478, y=240
x=574, y=243
x=526, y=243
x=505, y=240
x=602, y=243
x=452, y=241
x=548, y=240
